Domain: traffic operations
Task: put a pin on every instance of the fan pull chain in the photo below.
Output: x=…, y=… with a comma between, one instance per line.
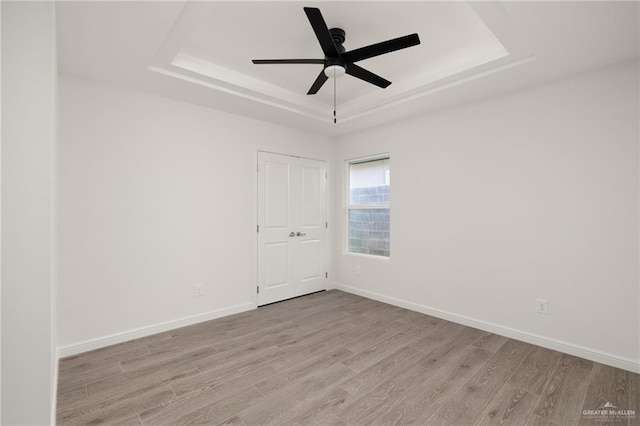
x=335, y=121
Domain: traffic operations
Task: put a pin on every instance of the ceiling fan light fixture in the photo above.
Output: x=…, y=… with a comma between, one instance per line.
x=336, y=71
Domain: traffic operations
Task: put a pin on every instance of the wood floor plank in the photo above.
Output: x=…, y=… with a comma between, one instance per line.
x=302, y=369
x=73, y=380
x=420, y=329
x=535, y=420
x=245, y=350
x=634, y=399
x=447, y=351
x=608, y=385
x=70, y=396
x=414, y=409
x=314, y=338
x=511, y=406
x=300, y=351
x=417, y=319
x=381, y=399
x=434, y=338
x=534, y=372
x=313, y=359
x=129, y=421
x=217, y=412
x=201, y=395
x=465, y=406
x=324, y=338
x=563, y=397
x=219, y=327
x=316, y=409
x=215, y=371
x=188, y=354
x=114, y=354
x=263, y=334
x=115, y=409
x=203, y=382
x=274, y=410
x=366, y=358
x=332, y=421
x=370, y=338
x=233, y=421
x=511, y=354
x=470, y=335
x=217, y=334
x=490, y=342
x=131, y=383
x=452, y=375
x=362, y=382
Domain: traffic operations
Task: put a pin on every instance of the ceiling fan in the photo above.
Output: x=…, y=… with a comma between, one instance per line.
x=336, y=60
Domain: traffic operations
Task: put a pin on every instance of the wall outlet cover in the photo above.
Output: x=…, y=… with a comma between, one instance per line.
x=541, y=306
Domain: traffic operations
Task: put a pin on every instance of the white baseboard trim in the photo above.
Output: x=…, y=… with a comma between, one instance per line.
x=54, y=391
x=546, y=342
x=112, y=339
x=332, y=285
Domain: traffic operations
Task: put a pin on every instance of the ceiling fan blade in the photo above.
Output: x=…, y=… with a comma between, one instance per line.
x=322, y=32
x=381, y=48
x=368, y=76
x=288, y=61
x=318, y=83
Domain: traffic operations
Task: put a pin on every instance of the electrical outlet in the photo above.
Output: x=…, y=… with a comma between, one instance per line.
x=541, y=306
x=357, y=269
x=197, y=290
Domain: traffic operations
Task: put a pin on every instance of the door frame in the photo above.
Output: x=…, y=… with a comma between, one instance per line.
x=253, y=226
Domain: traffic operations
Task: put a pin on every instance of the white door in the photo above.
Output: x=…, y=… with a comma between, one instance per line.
x=292, y=227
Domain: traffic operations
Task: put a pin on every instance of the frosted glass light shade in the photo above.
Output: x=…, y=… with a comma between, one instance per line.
x=336, y=71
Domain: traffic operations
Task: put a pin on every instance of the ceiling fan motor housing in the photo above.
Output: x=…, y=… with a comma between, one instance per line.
x=338, y=36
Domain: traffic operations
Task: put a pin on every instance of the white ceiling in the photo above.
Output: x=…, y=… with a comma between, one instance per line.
x=201, y=52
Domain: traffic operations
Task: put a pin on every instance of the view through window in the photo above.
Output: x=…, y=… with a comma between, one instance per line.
x=368, y=206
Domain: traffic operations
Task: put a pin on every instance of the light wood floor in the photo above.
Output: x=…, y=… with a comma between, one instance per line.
x=333, y=358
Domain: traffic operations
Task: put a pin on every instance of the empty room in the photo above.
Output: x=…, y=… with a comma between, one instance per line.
x=320, y=213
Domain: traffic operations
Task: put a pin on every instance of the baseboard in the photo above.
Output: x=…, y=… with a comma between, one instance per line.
x=332, y=285
x=546, y=342
x=101, y=342
x=54, y=390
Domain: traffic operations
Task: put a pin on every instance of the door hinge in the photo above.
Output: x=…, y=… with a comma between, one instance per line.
x=326, y=224
x=326, y=275
x=258, y=289
x=325, y=175
x=257, y=228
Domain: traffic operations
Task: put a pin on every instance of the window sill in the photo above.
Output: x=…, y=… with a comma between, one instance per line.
x=365, y=255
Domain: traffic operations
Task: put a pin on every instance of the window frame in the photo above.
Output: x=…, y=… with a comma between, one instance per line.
x=348, y=206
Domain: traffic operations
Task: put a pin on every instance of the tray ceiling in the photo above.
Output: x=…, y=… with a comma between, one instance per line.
x=212, y=44
x=201, y=52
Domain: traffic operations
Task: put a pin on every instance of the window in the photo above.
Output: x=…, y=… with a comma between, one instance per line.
x=368, y=207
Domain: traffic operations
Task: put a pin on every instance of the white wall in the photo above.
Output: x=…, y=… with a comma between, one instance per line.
x=0, y=214
x=156, y=196
x=495, y=204
x=28, y=245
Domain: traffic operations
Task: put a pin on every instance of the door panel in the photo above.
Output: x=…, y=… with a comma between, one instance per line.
x=275, y=213
x=311, y=260
x=277, y=186
x=312, y=211
x=313, y=224
x=276, y=259
x=292, y=237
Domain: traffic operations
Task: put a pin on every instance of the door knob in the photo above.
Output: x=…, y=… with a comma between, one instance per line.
x=300, y=234
x=292, y=234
